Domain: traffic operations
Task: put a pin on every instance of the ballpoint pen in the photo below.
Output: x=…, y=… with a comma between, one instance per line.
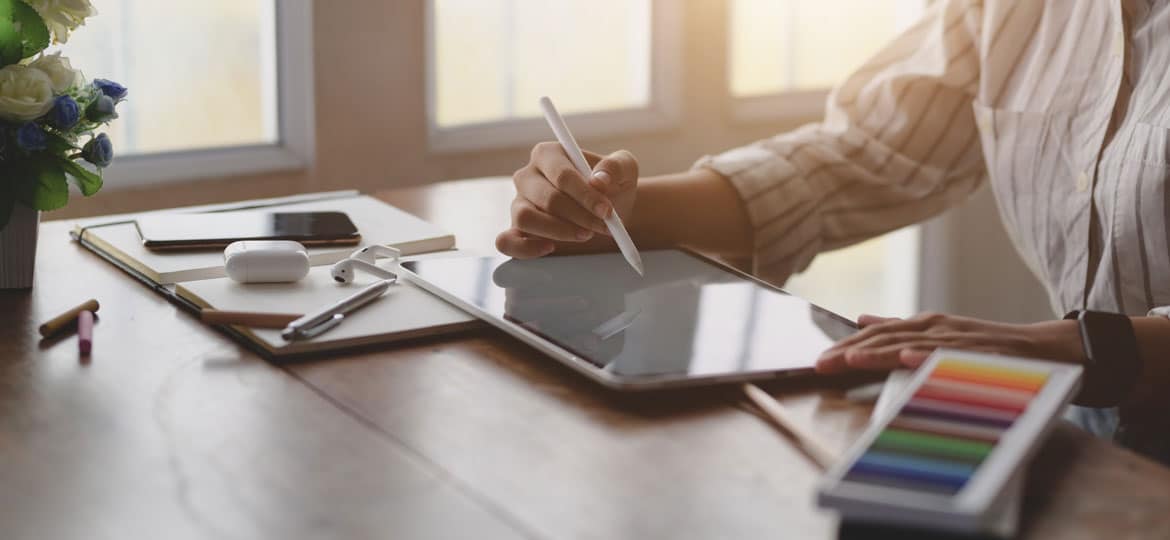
x=317, y=323
x=612, y=221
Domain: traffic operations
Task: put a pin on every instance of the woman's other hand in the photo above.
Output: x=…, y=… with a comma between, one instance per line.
x=889, y=343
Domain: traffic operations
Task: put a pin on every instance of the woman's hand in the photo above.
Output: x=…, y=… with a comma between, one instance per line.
x=887, y=343
x=554, y=203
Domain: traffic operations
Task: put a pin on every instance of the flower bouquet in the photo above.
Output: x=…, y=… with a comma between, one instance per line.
x=49, y=116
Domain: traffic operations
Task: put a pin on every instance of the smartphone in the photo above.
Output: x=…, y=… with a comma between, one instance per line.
x=217, y=230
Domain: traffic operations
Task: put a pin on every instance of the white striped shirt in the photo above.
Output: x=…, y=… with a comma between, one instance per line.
x=1063, y=104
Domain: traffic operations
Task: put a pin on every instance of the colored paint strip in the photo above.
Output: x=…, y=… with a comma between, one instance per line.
x=946, y=428
x=1023, y=386
x=926, y=409
x=992, y=375
x=920, y=469
x=973, y=411
x=896, y=440
x=983, y=391
x=934, y=393
x=910, y=484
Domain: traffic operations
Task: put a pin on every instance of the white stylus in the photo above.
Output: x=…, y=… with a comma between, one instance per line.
x=612, y=222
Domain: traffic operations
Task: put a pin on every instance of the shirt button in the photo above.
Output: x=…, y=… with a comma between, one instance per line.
x=984, y=121
x=1082, y=182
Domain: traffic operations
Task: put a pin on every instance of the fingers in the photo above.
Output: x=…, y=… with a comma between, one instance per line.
x=555, y=203
x=615, y=174
x=912, y=358
x=919, y=323
x=552, y=201
x=533, y=221
x=868, y=320
x=513, y=274
x=552, y=163
x=888, y=336
x=907, y=352
x=889, y=357
x=515, y=243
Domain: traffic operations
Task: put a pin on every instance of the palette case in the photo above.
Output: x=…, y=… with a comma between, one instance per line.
x=943, y=454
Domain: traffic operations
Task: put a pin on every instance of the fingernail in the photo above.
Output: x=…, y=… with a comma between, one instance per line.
x=602, y=176
x=602, y=210
x=584, y=235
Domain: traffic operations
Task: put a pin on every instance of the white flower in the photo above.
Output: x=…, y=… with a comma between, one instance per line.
x=25, y=93
x=60, y=72
x=63, y=16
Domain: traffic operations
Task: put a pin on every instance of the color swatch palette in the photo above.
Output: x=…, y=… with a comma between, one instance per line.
x=948, y=427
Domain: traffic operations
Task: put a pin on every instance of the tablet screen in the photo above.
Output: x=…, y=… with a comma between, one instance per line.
x=686, y=318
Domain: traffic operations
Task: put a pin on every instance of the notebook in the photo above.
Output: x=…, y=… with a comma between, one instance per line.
x=193, y=281
x=403, y=312
x=376, y=222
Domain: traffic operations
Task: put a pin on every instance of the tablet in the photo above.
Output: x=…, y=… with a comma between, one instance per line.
x=689, y=321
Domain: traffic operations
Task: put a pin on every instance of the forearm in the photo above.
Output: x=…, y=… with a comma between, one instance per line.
x=697, y=208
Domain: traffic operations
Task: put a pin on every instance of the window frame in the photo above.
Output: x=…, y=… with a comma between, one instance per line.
x=295, y=142
x=662, y=112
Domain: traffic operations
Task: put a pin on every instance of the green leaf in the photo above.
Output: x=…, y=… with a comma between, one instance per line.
x=58, y=145
x=40, y=184
x=88, y=181
x=34, y=35
x=7, y=201
x=11, y=46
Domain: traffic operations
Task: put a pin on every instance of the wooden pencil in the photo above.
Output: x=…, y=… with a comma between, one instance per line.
x=249, y=319
x=820, y=453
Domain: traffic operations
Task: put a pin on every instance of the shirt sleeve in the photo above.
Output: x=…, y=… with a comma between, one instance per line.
x=898, y=144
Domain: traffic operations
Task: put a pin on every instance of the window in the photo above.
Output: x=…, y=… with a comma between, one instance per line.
x=783, y=55
x=620, y=67
x=792, y=45
x=491, y=60
x=511, y=52
x=206, y=90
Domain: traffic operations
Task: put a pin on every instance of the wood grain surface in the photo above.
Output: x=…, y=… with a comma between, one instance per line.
x=173, y=431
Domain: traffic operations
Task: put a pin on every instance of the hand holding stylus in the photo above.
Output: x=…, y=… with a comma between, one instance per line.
x=556, y=204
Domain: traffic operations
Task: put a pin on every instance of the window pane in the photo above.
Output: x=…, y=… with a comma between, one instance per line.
x=879, y=276
x=495, y=58
x=779, y=45
x=198, y=78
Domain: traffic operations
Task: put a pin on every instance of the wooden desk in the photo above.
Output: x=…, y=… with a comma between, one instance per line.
x=172, y=431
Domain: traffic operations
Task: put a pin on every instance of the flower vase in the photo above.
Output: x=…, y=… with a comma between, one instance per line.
x=18, y=248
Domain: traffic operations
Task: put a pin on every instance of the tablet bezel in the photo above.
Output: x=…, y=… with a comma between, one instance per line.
x=606, y=378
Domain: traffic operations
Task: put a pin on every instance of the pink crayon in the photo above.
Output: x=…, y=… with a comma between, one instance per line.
x=85, y=332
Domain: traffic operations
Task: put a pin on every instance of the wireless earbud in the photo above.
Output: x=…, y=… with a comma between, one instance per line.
x=370, y=254
x=345, y=271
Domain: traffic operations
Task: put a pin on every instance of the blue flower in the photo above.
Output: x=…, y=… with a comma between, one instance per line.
x=98, y=151
x=31, y=137
x=64, y=114
x=110, y=88
x=101, y=110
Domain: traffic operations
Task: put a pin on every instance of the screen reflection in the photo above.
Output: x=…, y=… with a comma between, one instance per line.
x=686, y=316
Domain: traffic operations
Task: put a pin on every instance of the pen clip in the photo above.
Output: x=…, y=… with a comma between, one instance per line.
x=324, y=326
